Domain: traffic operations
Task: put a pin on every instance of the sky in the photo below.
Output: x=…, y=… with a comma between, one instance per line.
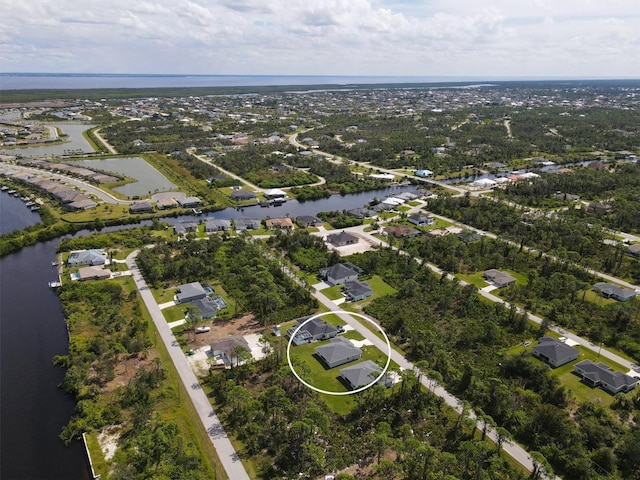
x=475, y=38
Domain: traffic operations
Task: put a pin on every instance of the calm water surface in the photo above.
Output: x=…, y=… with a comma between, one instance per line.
x=149, y=179
x=75, y=142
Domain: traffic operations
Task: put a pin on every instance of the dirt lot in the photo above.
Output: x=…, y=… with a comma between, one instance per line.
x=240, y=326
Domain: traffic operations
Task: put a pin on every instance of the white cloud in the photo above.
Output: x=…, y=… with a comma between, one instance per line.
x=383, y=37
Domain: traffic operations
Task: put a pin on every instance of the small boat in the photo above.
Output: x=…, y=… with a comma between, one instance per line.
x=4, y=188
x=34, y=208
x=197, y=211
x=28, y=204
x=55, y=283
x=11, y=192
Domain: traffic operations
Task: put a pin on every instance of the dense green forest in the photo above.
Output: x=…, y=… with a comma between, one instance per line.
x=256, y=284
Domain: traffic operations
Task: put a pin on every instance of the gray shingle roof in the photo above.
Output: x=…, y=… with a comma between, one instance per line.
x=361, y=374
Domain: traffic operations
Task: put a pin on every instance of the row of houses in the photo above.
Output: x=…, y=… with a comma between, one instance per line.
x=68, y=196
x=346, y=274
x=556, y=352
x=146, y=206
x=85, y=173
x=339, y=351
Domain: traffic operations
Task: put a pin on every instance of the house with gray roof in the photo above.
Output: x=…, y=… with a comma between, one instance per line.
x=554, y=352
x=213, y=225
x=340, y=273
x=634, y=250
x=141, y=207
x=243, y=195
x=421, y=220
x=608, y=290
x=338, y=352
x=600, y=375
x=316, y=329
x=229, y=349
x=356, y=290
x=189, y=202
x=498, y=278
x=189, y=292
x=242, y=224
x=342, y=238
x=207, y=307
x=362, y=374
x=308, y=221
x=96, y=256
x=361, y=213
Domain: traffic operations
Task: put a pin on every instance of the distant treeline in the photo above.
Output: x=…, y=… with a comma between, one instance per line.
x=28, y=95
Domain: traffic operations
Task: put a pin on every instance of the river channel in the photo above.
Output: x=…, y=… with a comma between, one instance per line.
x=32, y=331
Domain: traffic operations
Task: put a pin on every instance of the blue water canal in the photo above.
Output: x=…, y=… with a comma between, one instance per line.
x=33, y=409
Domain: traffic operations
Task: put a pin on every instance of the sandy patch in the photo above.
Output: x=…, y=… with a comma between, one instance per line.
x=108, y=440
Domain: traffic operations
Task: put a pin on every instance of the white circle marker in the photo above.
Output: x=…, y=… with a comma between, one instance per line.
x=351, y=392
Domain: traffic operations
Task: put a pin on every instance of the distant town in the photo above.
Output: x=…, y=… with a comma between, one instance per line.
x=373, y=282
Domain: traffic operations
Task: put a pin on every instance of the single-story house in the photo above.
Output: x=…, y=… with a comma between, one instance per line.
x=189, y=202
x=634, y=250
x=392, y=202
x=424, y=172
x=404, y=231
x=190, y=291
x=362, y=374
x=242, y=224
x=275, y=194
x=361, y=213
x=600, y=375
x=316, y=329
x=407, y=196
x=498, y=278
x=567, y=196
x=185, y=227
x=217, y=225
x=421, y=219
x=340, y=273
x=554, y=352
x=207, y=307
x=243, y=195
x=356, y=290
x=165, y=203
x=308, y=221
x=342, y=238
x=608, y=290
x=141, y=207
x=82, y=203
x=283, y=223
x=338, y=352
x=228, y=349
x=600, y=208
x=96, y=256
x=93, y=273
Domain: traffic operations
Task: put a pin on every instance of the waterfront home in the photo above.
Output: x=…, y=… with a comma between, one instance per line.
x=96, y=256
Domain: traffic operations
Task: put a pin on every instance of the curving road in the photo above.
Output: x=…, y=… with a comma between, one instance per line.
x=229, y=458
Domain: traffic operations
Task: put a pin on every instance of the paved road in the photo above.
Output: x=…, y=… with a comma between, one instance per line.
x=227, y=454
x=511, y=448
x=108, y=146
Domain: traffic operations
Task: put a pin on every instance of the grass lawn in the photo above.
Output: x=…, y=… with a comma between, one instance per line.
x=476, y=279
x=575, y=388
x=595, y=297
x=315, y=373
x=333, y=293
x=403, y=208
x=380, y=288
x=174, y=313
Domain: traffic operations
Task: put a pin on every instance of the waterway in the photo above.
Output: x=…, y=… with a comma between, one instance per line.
x=33, y=409
x=14, y=215
x=73, y=143
x=293, y=208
